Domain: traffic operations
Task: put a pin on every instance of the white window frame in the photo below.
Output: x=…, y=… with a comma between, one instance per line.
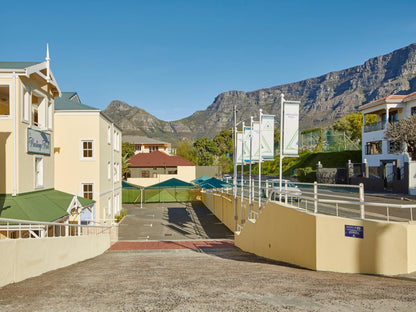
x=81, y=150
x=50, y=115
x=88, y=183
x=26, y=104
x=10, y=101
x=109, y=170
x=109, y=201
x=109, y=135
x=42, y=110
x=39, y=175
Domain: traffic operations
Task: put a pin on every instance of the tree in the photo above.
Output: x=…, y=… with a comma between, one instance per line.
x=224, y=142
x=125, y=166
x=127, y=149
x=352, y=124
x=205, y=151
x=403, y=130
x=186, y=150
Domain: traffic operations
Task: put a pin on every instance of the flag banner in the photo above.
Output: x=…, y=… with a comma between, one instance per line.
x=247, y=138
x=267, y=137
x=239, y=147
x=291, y=128
x=255, y=142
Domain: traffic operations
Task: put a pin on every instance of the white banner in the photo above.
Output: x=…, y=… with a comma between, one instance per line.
x=267, y=137
x=247, y=137
x=255, y=142
x=291, y=128
x=239, y=147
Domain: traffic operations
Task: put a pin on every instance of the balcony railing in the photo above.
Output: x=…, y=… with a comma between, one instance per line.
x=376, y=126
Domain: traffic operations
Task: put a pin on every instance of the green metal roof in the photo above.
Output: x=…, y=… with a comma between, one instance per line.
x=48, y=205
x=171, y=183
x=64, y=103
x=213, y=183
x=17, y=65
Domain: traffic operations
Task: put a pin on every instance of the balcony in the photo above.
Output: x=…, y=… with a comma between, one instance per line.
x=376, y=126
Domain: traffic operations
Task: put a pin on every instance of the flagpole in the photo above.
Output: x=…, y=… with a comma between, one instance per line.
x=282, y=100
x=235, y=168
x=260, y=159
x=251, y=146
x=242, y=177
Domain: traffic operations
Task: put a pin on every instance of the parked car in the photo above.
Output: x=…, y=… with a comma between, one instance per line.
x=293, y=191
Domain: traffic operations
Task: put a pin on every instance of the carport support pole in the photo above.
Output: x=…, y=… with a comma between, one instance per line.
x=242, y=179
x=141, y=198
x=362, y=209
x=315, y=197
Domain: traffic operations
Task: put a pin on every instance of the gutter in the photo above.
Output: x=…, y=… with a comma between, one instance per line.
x=14, y=137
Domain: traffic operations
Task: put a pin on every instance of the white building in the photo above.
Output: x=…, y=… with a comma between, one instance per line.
x=385, y=159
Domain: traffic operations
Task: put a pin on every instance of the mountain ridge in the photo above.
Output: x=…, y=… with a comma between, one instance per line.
x=323, y=99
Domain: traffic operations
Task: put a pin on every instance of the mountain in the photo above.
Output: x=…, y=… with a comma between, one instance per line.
x=323, y=99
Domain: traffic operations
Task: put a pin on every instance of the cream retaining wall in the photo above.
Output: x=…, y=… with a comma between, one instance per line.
x=24, y=258
x=318, y=241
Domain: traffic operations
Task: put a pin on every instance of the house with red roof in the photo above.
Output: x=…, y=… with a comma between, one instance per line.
x=155, y=167
x=387, y=160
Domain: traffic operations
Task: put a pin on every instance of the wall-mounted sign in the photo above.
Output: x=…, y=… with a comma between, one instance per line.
x=356, y=231
x=38, y=142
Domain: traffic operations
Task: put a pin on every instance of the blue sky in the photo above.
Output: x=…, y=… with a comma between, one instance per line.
x=173, y=58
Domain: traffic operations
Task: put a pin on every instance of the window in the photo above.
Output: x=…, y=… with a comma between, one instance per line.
x=38, y=172
x=372, y=148
x=38, y=111
x=173, y=171
x=116, y=172
x=109, y=170
x=87, y=149
x=109, y=206
x=154, y=175
x=413, y=110
x=87, y=190
x=116, y=141
x=395, y=147
x=109, y=135
x=50, y=115
x=4, y=101
x=138, y=147
x=25, y=104
x=153, y=148
x=145, y=173
x=394, y=116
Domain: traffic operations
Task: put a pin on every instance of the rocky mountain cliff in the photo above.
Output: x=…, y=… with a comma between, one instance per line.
x=323, y=99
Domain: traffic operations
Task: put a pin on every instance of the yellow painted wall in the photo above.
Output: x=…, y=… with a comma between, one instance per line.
x=24, y=258
x=71, y=171
x=25, y=179
x=318, y=242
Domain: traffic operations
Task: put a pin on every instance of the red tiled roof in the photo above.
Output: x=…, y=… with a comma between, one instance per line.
x=386, y=98
x=158, y=159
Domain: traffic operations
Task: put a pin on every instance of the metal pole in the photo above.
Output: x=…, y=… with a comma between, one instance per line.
x=235, y=168
x=242, y=177
x=362, y=211
x=251, y=155
x=315, y=196
x=141, y=198
x=260, y=114
x=282, y=100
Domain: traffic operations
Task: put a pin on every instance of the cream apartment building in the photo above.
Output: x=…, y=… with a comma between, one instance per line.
x=27, y=140
x=88, y=156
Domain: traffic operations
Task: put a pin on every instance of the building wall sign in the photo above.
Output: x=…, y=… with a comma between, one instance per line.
x=38, y=142
x=355, y=231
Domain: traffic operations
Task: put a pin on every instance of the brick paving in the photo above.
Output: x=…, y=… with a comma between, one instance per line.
x=163, y=245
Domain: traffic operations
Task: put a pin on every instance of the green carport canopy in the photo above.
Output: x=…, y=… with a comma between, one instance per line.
x=172, y=190
x=48, y=205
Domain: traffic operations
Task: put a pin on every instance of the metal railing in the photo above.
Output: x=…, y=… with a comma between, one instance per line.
x=376, y=126
x=331, y=199
x=20, y=229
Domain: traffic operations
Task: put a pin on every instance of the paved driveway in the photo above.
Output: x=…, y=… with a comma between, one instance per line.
x=171, y=221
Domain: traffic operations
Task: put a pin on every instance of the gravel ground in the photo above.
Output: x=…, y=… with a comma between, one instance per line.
x=186, y=280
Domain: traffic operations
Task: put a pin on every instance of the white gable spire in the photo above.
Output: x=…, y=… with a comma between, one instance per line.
x=48, y=63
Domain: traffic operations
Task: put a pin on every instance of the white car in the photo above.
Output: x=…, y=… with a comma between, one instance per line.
x=293, y=191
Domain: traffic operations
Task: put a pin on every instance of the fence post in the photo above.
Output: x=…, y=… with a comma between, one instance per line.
x=267, y=188
x=362, y=208
x=315, y=196
x=286, y=192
